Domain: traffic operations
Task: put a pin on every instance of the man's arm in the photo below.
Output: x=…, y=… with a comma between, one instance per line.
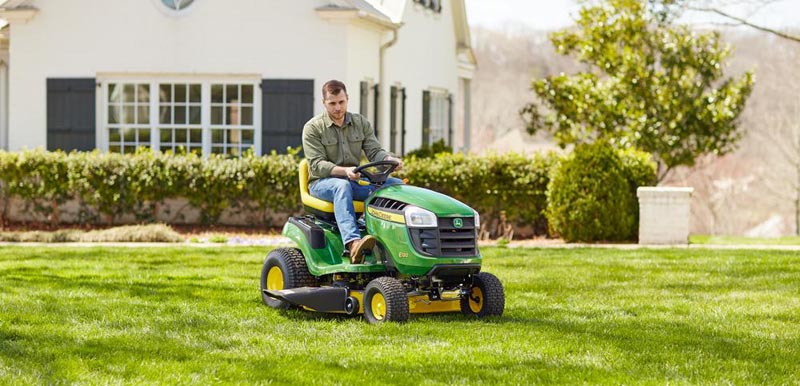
x=318, y=162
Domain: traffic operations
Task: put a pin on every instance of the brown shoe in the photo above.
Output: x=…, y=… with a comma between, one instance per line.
x=358, y=247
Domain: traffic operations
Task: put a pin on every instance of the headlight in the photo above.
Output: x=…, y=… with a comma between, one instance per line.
x=420, y=218
x=477, y=219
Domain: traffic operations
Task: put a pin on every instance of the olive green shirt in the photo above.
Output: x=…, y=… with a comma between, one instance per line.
x=327, y=145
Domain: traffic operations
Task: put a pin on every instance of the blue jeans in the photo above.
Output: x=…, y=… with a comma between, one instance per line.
x=341, y=192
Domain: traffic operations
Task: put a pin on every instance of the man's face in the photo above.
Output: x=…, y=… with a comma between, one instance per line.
x=336, y=105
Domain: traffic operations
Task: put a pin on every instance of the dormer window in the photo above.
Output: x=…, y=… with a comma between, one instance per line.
x=177, y=5
x=433, y=5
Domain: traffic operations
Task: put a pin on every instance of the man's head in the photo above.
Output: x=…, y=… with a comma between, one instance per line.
x=334, y=98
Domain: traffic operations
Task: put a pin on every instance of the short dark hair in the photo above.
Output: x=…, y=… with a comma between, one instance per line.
x=333, y=87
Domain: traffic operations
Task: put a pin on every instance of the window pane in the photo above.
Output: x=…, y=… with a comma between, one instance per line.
x=216, y=93
x=247, y=137
x=113, y=135
x=128, y=92
x=129, y=149
x=165, y=149
x=166, y=135
x=216, y=115
x=144, y=136
x=217, y=136
x=180, y=115
x=113, y=113
x=196, y=135
x=180, y=135
x=194, y=93
x=234, y=136
x=247, y=93
x=194, y=115
x=128, y=115
x=129, y=135
x=231, y=93
x=232, y=117
x=217, y=149
x=143, y=114
x=180, y=93
x=165, y=93
x=165, y=114
x=115, y=92
x=143, y=93
x=114, y=148
x=247, y=115
x=233, y=151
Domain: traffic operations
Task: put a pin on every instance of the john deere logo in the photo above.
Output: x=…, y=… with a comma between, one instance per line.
x=458, y=223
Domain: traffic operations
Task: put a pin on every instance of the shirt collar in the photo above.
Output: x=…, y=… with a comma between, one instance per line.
x=348, y=118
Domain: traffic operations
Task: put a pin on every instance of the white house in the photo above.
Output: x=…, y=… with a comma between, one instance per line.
x=224, y=76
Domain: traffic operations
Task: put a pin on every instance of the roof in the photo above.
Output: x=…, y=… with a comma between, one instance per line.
x=361, y=8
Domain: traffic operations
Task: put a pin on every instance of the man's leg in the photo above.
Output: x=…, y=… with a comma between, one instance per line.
x=340, y=193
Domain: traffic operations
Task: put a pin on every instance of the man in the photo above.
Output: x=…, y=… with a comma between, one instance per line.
x=333, y=142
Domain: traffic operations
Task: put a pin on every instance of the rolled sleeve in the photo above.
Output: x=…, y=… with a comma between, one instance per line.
x=372, y=148
x=318, y=164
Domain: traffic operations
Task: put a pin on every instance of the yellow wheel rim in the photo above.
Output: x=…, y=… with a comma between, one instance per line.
x=378, y=306
x=275, y=279
x=476, y=300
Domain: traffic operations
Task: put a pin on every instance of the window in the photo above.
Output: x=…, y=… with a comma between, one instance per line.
x=434, y=5
x=181, y=117
x=439, y=116
x=179, y=112
x=232, y=130
x=128, y=118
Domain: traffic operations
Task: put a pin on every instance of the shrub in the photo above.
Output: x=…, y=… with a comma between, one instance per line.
x=435, y=148
x=592, y=194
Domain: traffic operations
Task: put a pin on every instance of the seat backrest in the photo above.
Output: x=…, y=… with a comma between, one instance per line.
x=313, y=204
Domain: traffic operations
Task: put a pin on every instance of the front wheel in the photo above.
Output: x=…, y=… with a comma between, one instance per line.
x=284, y=268
x=385, y=300
x=486, y=296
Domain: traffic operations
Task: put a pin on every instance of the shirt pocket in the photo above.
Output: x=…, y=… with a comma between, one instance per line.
x=331, y=144
x=355, y=140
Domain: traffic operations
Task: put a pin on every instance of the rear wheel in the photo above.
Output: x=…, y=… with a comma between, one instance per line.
x=385, y=300
x=284, y=268
x=486, y=296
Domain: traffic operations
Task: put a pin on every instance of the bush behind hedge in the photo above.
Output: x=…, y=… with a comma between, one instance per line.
x=592, y=194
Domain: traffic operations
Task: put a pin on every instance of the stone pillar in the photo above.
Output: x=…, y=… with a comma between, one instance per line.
x=664, y=215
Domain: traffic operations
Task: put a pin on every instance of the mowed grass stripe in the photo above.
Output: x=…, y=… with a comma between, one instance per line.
x=599, y=316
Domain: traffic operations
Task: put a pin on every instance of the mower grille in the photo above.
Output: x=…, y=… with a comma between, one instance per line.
x=448, y=240
x=388, y=203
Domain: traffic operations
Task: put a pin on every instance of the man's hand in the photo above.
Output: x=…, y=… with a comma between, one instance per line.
x=351, y=174
x=399, y=161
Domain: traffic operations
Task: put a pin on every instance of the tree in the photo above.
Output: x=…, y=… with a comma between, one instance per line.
x=651, y=85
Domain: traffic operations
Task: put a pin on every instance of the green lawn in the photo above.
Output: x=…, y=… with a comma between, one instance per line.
x=741, y=240
x=573, y=316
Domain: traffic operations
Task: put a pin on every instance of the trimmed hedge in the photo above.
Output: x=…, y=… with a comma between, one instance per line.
x=592, y=195
x=509, y=188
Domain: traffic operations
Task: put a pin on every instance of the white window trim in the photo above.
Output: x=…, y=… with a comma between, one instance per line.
x=205, y=80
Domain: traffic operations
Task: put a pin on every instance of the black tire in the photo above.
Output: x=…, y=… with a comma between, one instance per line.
x=394, y=304
x=292, y=269
x=486, y=297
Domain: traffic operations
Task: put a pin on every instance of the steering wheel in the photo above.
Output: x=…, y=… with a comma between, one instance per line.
x=379, y=177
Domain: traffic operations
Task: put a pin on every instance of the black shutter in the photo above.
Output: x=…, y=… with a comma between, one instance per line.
x=286, y=105
x=450, y=120
x=403, y=124
x=364, y=100
x=393, y=119
x=375, y=121
x=71, y=114
x=426, y=118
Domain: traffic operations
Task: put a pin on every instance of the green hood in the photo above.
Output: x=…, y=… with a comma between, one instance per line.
x=440, y=204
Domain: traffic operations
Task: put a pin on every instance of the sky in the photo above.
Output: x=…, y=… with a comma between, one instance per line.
x=556, y=14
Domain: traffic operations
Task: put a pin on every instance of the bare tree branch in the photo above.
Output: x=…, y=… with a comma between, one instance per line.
x=747, y=23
